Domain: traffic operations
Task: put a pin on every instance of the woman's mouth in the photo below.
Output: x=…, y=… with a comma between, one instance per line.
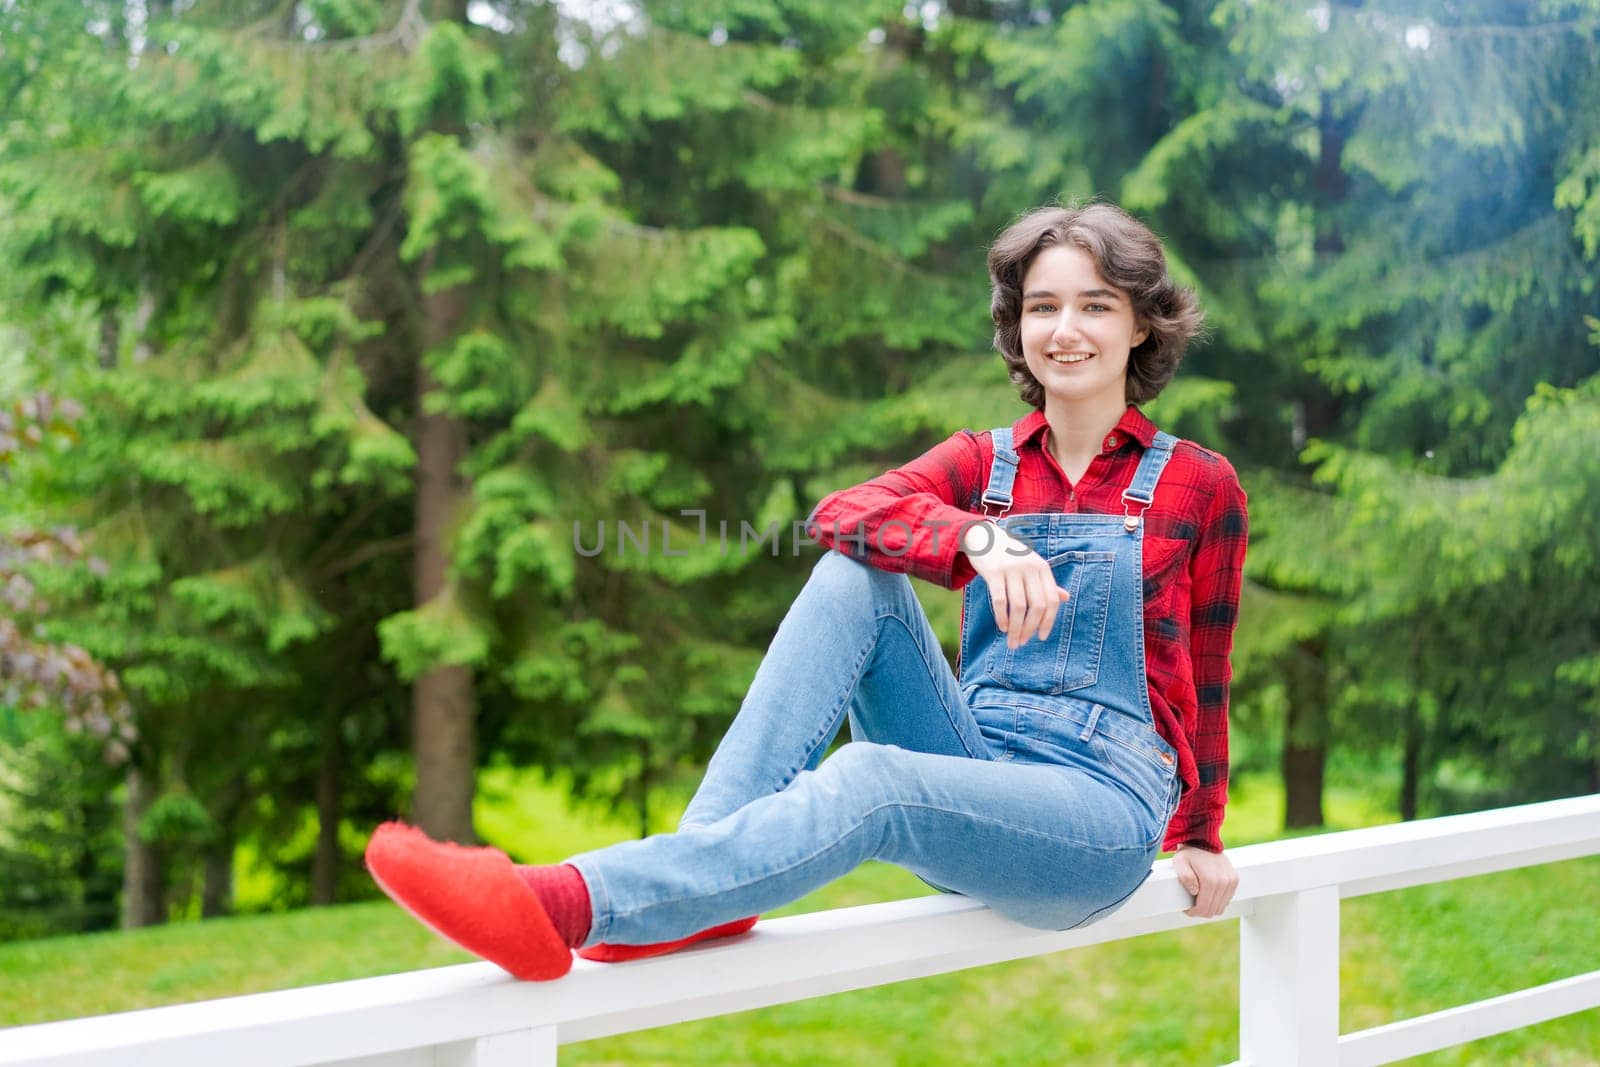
x=1070, y=357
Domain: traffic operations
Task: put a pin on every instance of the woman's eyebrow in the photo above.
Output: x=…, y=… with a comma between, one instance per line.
x=1099, y=294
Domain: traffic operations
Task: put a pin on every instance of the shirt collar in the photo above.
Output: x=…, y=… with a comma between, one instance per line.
x=1133, y=424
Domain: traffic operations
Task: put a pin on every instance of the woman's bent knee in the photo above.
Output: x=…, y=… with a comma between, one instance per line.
x=851, y=581
x=862, y=770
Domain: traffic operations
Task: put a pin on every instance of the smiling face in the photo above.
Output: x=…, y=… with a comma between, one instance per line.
x=1076, y=330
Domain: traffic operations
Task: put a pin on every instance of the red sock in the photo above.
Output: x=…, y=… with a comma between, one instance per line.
x=472, y=896
x=560, y=889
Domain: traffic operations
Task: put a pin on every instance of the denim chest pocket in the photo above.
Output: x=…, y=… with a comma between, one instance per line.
x=1070, y=658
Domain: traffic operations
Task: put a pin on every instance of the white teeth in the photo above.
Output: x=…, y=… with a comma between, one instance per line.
x=1069, y=357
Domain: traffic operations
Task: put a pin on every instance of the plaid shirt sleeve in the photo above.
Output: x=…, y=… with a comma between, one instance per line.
x=1216, y=573
x=908, y=520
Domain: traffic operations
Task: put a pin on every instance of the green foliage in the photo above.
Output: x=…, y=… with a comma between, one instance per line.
x=669, y=76
x=59, y=860
x=695, y=269
x=441, y=633
x=177, y=819
x=1491, y=595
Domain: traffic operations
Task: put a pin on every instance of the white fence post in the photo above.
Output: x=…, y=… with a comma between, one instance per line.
x=1289, y=980
x=519, y=1048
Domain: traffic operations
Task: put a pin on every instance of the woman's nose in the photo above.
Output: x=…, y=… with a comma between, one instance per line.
x=1066, y=327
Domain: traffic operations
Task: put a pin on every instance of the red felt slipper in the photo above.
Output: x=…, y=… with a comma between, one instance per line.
x=471, y=896
x=604, y=953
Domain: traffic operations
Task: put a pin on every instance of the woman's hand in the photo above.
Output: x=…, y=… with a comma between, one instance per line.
x=1209, y=876
x=1022, y=588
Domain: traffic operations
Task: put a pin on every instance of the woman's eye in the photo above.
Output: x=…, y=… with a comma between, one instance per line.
x=1098, y=307
x=1044, y=307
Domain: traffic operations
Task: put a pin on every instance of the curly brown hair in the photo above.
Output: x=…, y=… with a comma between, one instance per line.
x=1128, y=256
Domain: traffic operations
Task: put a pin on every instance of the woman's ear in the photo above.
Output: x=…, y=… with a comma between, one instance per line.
x=1139, y=336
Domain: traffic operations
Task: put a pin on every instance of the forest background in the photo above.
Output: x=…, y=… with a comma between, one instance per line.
x=323, y=323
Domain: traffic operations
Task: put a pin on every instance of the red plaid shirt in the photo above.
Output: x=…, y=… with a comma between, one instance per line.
x=1194, y=546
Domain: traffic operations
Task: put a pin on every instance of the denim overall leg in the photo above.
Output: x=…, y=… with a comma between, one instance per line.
x=960, y=782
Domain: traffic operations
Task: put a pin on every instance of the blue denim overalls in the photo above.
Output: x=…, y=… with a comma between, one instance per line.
x=1035, y=783
x=1088, y=682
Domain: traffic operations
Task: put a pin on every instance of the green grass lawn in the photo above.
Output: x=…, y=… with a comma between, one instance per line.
x=1164, y=999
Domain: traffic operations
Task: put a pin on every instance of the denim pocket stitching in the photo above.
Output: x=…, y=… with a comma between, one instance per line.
x=1094, y=572
x=1102, y=616
x=1151, y=752
x=1137, y=784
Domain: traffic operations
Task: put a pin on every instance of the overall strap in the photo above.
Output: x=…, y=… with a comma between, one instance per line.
x=1142, y=491
x=1002, y=473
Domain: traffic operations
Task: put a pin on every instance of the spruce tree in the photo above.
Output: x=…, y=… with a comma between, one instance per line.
x=1399, y=175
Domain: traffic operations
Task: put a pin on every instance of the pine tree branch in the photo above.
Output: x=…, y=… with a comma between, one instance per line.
x=1546, y=29
x=851, y=237
x=277, y=226
x=276, y=16
x=1383, y=21
x=541, y=208
x=855, y=199
x=872, y=248
x=373, y=550
x=633, y=229
x=760, y=101
x=335, y=540
x=380, y=235
x=407, y=31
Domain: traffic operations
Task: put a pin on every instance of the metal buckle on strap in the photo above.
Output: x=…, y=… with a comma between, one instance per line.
x=1005, y=506
x=1130, y=520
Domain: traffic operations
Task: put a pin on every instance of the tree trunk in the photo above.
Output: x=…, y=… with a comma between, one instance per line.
x=1302, y=779
x=110, y=340
x=143, y=893
x=328, y=859
x=216, y=891
x=1305, y=738
x=442, y=714
x=443, y=726
x=1319, y=408
x=146, y=307
x=1331, y=182
x=644, y=789
x=1410, y=765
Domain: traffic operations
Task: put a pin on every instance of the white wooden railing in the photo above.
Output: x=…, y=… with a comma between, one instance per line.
x=1287, y=905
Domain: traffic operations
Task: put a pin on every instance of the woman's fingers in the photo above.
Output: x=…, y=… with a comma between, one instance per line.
x=1025, y=598
x=1038, y=605
x=1032, y=601
x=999, y=601
x=1054, y=597
x=1017, y=608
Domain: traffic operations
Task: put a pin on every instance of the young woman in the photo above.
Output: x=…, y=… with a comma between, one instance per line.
x=1087, y=727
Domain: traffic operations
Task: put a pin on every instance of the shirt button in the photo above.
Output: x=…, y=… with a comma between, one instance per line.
x=1111, y=441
